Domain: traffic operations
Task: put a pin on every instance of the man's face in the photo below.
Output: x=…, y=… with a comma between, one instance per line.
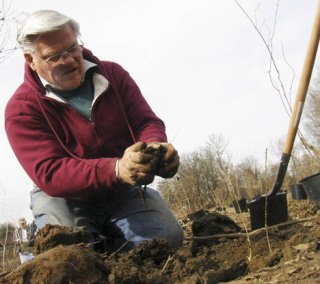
x=66, y=73
x=23, y=225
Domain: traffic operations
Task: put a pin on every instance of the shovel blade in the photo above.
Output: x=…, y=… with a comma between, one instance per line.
x=268, y=210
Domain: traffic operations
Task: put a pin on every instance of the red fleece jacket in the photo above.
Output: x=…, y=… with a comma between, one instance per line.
x=75, y=157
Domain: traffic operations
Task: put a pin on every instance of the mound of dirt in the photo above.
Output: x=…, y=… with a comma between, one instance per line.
x=62, y=264
x=217, y=249
x=206, y=224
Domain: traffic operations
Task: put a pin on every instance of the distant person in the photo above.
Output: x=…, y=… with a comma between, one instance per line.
x=88, y=139
x=22, y=235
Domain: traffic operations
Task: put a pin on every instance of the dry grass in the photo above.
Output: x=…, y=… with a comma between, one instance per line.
x=9, y=258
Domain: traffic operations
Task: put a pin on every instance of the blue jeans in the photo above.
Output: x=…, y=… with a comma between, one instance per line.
x=130, y=220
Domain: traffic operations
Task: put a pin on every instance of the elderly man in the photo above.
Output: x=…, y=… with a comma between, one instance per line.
x=22, y=234
x=88, y=139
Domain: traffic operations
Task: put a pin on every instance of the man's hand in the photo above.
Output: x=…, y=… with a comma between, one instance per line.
x=137, y=166
x=168, y=164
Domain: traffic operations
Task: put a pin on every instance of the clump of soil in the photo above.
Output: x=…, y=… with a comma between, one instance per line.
x=143, y=264
x=52, y=235
x=206, y=223
x=62, y=264
x=218, y=248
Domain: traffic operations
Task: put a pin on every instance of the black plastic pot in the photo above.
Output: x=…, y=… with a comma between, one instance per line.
x=273, y=209
x=298, y=192
x=311, y=186
x=240, y=205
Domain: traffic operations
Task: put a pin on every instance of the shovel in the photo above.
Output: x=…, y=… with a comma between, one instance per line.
x=271, y=208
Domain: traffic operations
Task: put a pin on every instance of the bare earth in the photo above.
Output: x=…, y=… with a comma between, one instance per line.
x=217, y=249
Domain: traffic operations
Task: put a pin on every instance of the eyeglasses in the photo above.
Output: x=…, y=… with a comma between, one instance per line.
x=73, y=51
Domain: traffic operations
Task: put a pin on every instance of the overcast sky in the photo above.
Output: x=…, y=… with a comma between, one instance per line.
x=200, y=65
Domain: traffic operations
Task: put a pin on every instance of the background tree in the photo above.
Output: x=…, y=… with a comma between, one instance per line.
x=312, y=114
x=8, y=20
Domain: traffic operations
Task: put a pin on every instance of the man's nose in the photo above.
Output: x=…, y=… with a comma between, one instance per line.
x=66, y=58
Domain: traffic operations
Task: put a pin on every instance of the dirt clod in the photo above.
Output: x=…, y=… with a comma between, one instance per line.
x=62, y=264
x=51, y=236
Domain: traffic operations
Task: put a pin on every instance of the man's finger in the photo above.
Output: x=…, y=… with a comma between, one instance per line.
x=137, y=147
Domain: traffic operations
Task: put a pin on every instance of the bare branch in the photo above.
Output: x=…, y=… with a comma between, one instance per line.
x=7, y=22
x=268, y=43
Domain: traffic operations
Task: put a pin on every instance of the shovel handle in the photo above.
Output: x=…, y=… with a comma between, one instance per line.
x=303, y=83
x=299, y=101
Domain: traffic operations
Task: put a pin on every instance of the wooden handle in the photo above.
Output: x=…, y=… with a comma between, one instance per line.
x=303, y=83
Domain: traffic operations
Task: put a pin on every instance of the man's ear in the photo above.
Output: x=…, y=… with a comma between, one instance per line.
x=29, y=59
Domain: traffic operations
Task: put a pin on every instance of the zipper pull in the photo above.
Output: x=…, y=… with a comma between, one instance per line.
x=92, y=123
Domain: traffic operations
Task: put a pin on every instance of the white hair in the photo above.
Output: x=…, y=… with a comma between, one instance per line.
x=42, y=22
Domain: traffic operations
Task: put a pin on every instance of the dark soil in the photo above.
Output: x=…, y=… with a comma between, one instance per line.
x=51, y=236
x=216, y=249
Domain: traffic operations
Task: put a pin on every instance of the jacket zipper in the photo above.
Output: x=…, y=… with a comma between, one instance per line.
x=91, y=121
